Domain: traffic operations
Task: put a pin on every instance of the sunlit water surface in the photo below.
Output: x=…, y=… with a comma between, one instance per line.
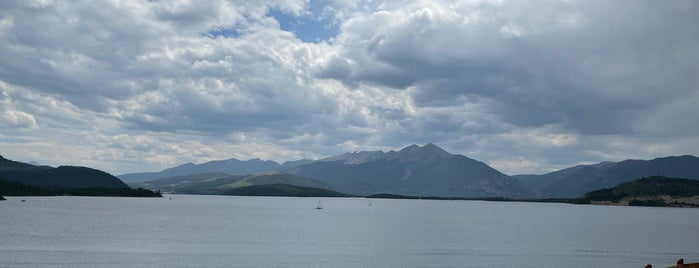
x=224, y=231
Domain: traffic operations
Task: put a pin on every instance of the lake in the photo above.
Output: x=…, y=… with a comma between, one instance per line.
x=227, y=231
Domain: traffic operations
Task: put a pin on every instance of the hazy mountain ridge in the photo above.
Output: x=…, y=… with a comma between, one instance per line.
x=578, y=180
x=230, y=166
x=291, y=164
x=537, y=183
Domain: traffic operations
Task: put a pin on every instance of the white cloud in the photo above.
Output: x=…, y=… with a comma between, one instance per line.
x=18, y=119
x=519, y=165
x=541, y=137
x=527, y=86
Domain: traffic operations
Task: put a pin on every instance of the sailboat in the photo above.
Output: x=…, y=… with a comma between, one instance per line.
x=320, y=205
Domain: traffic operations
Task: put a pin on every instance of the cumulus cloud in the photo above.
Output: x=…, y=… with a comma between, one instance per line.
x=18, y=119
x=528, y=86
x=593, y=67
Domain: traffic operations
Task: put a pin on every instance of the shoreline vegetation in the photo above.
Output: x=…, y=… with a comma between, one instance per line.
x=655, y=191
x=664, y=201
x=282, y=189
x=9, y=188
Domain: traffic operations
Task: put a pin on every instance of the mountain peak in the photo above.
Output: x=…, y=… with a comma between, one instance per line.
x=434, y=149
x=411, y=147
x=417, y=153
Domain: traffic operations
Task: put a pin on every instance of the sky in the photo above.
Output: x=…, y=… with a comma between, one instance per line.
x=524, y=86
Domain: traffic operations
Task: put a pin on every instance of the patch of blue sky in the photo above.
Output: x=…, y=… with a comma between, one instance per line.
x=230, y=32
x=312, y=26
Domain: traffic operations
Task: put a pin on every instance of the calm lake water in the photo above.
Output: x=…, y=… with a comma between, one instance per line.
x=223, y=231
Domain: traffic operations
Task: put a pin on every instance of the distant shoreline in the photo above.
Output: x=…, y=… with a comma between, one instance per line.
x=684, y=202
x=11, y=188
x=670, y=201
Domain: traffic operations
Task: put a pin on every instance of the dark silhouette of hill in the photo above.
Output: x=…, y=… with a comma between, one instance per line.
x=17, y=178
x=63, y=176
x=10, y=188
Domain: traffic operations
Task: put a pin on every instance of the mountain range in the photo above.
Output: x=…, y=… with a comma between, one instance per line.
x=414, y=170
x=424, y=171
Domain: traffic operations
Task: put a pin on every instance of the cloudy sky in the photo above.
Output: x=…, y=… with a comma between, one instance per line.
x=525, y=86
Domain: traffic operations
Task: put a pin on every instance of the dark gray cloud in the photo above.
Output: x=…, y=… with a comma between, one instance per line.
x=595, y=67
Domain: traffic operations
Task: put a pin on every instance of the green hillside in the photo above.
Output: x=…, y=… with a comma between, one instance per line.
x=188, y=184
x=280, y=189
x=274, y=177
x=219, y=183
